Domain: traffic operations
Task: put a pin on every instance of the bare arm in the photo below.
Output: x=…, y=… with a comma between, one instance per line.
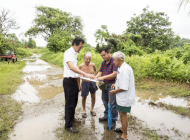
x=109, y=76
x=99, y=74
x=77, y=70
x=95, y=70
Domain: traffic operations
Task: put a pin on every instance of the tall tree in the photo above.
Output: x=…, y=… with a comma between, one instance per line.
x=7, y=22
x=101, y=34
x=48, y=20
x=154, y=28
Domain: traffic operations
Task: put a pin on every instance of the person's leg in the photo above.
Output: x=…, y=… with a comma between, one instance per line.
x=76, y=92
x=124, y=123
x=93, y=100
x=83, y=104
x=69, y=102
x=113, y=105
x=105, y=102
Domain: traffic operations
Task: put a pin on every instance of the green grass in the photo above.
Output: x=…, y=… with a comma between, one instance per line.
x=175, y=89
x=10, y=76
x=176, y=109
x=9, y=112
x=10, y=79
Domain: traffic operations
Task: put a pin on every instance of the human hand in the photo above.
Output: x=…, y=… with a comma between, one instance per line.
x=100, y=78
x=90, y=76
x=112, y=92
x=113, y=86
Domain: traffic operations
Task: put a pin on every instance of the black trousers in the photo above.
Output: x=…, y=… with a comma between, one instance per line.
x=71, y=90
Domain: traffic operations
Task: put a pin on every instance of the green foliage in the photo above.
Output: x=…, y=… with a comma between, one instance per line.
x=101, y=35
x=60, y=41
x=22, y=52
x=48, y=20
x=4, y=45
x=154, y=29
x=31, y=43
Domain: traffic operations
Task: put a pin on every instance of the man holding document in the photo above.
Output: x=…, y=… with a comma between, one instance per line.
x=88, y=86
x=70, y=84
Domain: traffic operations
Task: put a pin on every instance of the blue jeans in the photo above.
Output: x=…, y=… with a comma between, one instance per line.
x=105, y=99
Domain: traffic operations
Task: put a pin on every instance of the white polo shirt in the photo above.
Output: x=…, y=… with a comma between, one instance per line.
x=125, y=80
x=69, y=55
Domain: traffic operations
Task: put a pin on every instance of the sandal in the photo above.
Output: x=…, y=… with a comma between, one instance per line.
x=120, y=138
x=118, y=130
x=93, y=113
x=84, y=115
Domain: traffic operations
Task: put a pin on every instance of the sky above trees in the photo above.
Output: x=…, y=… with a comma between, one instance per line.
x=95, y=13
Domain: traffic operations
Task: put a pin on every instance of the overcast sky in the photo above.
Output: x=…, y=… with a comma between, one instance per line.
x=113, y=13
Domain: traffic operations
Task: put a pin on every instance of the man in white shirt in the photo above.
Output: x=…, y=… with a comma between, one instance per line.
x=124, y=91
x=70, y=84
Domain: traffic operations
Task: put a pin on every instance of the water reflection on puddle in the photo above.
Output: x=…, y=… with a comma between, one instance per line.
x=40, y=83
x=38, y=128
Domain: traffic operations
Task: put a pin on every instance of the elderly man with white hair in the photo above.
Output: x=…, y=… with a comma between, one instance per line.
x=88, y=86
x=124, y=89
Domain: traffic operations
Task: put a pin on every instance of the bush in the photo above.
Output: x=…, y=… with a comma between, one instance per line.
x=22, y=52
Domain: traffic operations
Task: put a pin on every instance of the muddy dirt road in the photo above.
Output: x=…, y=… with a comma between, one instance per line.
x=42, y=99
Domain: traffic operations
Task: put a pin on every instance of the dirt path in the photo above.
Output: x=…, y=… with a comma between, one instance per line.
x=43, y=105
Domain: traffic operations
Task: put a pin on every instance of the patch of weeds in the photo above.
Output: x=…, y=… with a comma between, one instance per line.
x=176, y=109
x=9, y=112
x=167, y=88
x=176, y=131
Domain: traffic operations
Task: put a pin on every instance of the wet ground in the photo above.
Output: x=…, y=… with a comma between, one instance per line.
x=43, y=104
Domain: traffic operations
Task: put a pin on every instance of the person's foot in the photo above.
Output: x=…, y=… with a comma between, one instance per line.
x=76, y=120
x=120, y=138
x=103, y=119
x=113, y=124
x=72, y=129
x=93, y=113
x=118, y=130
x=84, y=115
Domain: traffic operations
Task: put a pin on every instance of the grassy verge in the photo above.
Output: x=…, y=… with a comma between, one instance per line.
x=164, y=87
x=9, y=112
x=10, y=78
x=176, y=109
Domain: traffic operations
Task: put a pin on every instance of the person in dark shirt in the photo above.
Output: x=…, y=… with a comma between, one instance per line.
x=108, y=73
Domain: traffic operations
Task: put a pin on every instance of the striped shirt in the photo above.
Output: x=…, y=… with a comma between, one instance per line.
x=107, y=69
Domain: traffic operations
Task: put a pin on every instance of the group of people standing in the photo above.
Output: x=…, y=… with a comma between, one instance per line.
x=118, y=81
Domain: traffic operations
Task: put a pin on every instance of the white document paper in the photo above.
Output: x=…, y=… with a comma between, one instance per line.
x=93, y=80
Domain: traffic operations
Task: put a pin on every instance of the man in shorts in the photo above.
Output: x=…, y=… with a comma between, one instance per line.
x=88, y=86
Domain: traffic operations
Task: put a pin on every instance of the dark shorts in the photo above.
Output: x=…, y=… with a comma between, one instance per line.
x=88, y=86
x=123, y=108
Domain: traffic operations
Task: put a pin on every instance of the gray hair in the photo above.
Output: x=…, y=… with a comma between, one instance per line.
x=87, y=54
x=119, y=55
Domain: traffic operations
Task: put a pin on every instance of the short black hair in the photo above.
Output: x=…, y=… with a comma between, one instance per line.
x=106, y=49
x=77, y=41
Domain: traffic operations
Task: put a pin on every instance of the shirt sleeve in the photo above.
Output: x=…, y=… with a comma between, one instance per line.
x=68, y=57
x=124, y=80
x=114, y=67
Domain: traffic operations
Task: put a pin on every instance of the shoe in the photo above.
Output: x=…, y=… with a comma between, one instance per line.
x=103, y=119
x=113, y=124
x=72, y=129
x=76, y=120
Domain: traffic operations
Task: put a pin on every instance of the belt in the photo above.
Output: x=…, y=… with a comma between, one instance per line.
x=71, y=77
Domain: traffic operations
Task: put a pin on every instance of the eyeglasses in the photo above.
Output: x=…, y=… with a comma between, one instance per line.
x=103, y=55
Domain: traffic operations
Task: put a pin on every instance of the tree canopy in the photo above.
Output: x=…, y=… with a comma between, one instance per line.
x=154, y=28
x=48, y=20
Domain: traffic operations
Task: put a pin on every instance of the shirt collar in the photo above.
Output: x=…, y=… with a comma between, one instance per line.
x=73, y=51
x=109, y=61
x=119, y=69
